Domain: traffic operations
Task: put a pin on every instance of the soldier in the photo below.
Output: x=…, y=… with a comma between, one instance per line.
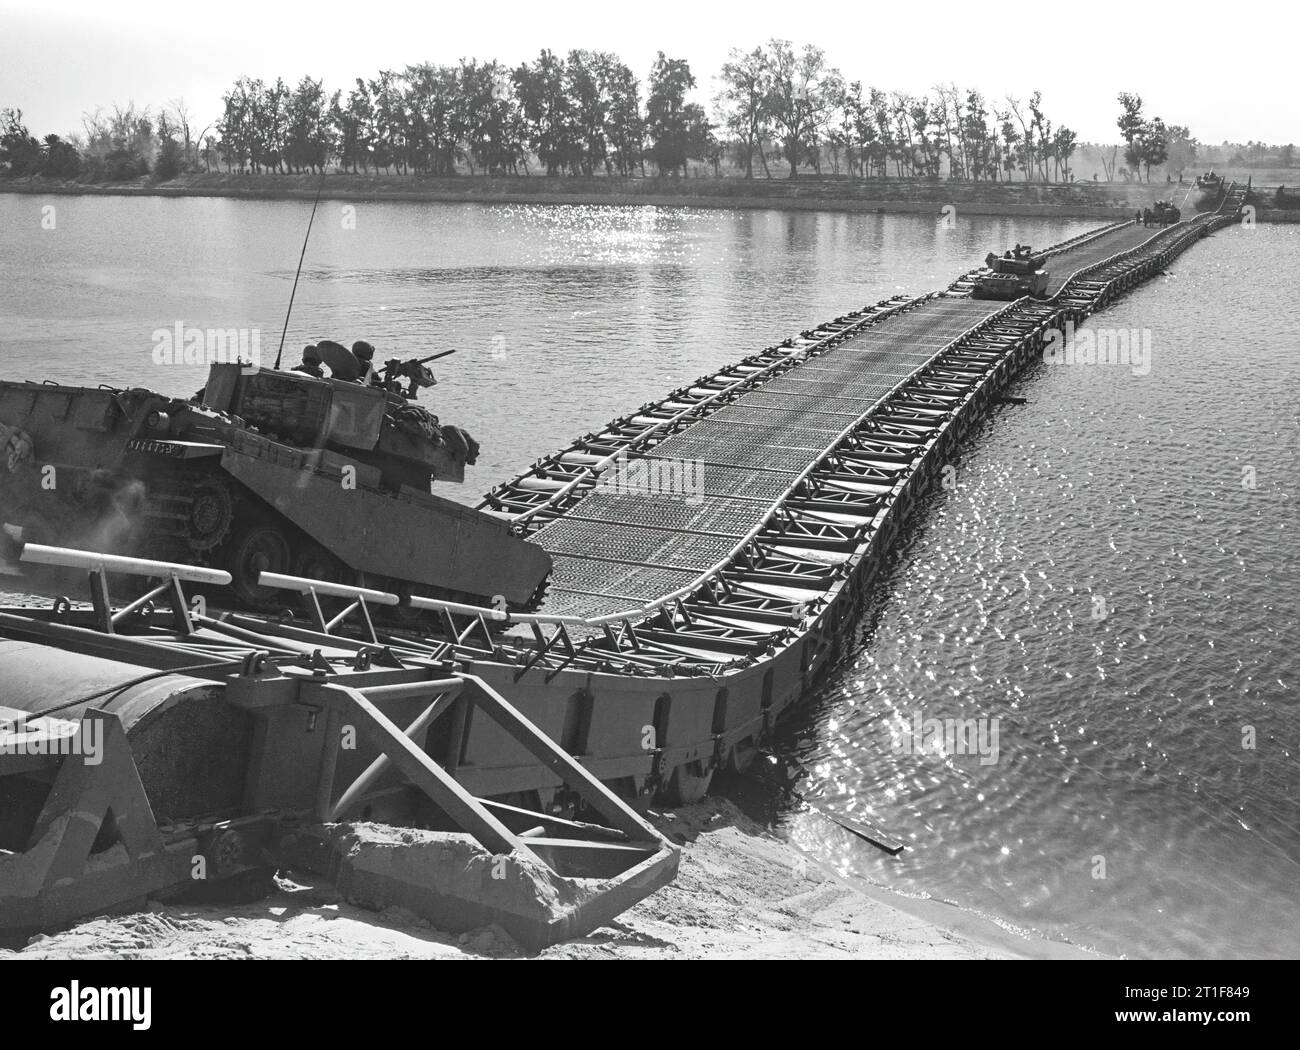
x=365, y=355
x=310, y=363
x=1137, y=218
x=1146, y=216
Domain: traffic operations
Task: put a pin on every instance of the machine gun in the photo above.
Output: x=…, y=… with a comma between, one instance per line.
x=413, y=370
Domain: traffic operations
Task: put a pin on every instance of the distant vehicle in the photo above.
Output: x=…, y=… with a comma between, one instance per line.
x=1016, y=273
x=1163, y=213
x=1209, y=188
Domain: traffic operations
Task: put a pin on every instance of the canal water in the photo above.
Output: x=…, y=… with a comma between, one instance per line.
x=1110, y=573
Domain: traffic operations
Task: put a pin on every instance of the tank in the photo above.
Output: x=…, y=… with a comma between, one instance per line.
x=1208, y=190
x=1014, y=274
x=1163, y=213
x=263, y=469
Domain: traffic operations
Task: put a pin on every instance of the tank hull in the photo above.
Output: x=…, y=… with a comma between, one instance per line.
x=1009, y=286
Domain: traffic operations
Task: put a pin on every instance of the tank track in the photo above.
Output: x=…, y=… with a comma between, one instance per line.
x=175, y=500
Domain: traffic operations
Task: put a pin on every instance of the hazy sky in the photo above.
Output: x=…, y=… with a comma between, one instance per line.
x=60, y=58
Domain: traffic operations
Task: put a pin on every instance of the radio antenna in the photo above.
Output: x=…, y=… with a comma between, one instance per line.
x=298, y=273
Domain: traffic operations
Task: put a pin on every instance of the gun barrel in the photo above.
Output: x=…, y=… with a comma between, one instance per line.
x=434, y=357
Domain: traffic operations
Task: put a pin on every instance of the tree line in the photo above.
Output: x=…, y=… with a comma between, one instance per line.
x=118, y=146
x=581, y=114
x=794, y=100
x=587, y=113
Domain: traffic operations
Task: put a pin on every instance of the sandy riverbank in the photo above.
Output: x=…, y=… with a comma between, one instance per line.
x=741, y=893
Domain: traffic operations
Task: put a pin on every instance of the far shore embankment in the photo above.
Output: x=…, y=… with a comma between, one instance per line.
x=1082, y=200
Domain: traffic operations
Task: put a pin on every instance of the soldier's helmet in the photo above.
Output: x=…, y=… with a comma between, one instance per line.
x=363, y=351
x=310, y=355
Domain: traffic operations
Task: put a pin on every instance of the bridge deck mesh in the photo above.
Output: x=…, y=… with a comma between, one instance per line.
x=792, y=432
x=765, y=485
x=740, y=451
x=718, y=515
x=834, y=409
x=868, y=389
x=611, y=578
x=635, y=543
x=1060, y=267
x=802, y=420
